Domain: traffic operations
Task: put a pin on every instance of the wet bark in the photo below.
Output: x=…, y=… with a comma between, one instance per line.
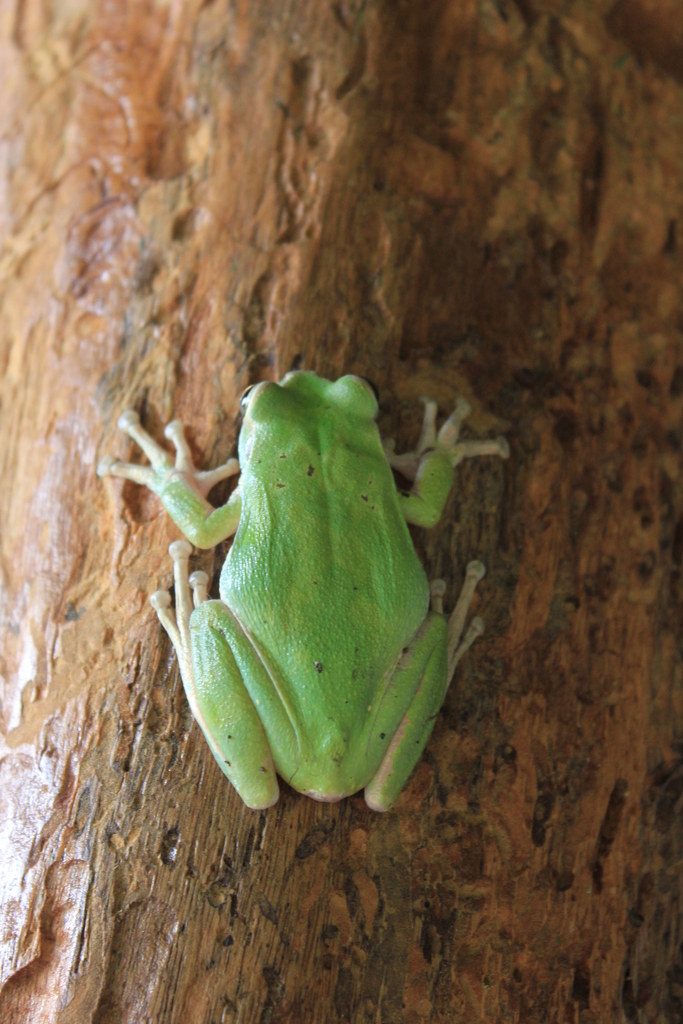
x=452, y=197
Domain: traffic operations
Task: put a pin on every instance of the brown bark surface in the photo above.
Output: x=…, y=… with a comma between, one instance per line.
x=450, y=197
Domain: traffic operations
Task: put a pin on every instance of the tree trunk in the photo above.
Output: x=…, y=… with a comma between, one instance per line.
x=452, y=197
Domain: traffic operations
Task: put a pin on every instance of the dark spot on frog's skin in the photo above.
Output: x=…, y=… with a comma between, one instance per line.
x=262, y=769
x=315, y=583
x=228, y=764
x=311, y=471
x=364, y=497
x=382, y=735
x=404, y=494
x=318, y=666
x=279, y=485
x=229, y=737
x=283, y=456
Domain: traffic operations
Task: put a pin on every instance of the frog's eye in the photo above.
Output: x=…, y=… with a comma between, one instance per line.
x=244, y=400
x=373, y=387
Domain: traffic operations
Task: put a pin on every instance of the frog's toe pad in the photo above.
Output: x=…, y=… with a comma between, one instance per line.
x=437, y=589
x=160, y=599
x=199, y=585
x=129, y=418
x=180, y=550
x=105, y=465
x=503, y=447
x=476, y=569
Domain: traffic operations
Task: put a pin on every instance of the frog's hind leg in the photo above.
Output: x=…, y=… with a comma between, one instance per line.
x=204, y=640
x=221, y=703
x=417, y=723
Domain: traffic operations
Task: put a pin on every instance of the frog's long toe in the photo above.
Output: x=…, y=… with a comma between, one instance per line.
x=437, y=589
x=161, y=603
x=199, y=583
x=175, y=432
x=109, y=466
x=456, y=647
x=180, y=551
x=105, y=465
x=428, y=432
x=470, y=449
x=129, y=422
x=177, y=624
x=474, y=630
x=448, y=438
x=450, y=431
x=408, y=463
x=205, y=479
x=208, y=478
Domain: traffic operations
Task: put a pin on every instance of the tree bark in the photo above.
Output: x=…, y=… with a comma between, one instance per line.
x=452, y=197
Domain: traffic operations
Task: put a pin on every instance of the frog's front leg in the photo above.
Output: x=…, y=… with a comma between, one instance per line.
x=214, y=654
x=181, y=487
x=431, y=465
x=444, y=646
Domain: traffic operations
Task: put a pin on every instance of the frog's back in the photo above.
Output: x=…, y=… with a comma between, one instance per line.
x=322, y=572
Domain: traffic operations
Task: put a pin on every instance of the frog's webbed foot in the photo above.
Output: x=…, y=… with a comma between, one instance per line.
x=162, y=466
x=408, y=463
x=446, y=441
x=190, y=592
x=204, y=480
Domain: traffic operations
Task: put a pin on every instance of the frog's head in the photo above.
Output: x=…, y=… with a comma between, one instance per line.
x=301, y=398
x=355, y=396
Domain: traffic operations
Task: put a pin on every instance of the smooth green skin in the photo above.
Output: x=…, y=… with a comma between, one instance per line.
x=322, y=639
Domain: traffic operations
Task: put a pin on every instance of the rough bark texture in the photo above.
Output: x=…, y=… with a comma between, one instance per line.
x=450, y=197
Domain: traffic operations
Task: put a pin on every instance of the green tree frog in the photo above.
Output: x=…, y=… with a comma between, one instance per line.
x=323, y=661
